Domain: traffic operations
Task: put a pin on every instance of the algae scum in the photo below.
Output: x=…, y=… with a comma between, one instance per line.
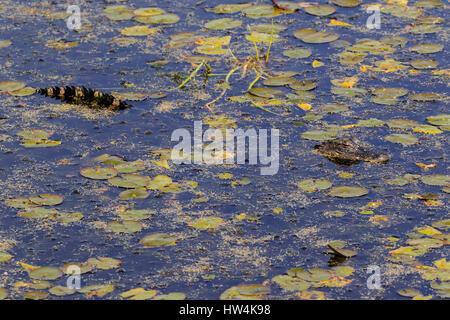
x=95, y=189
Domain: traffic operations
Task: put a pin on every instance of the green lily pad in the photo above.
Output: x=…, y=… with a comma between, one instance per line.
x=137, y=214
x=404, y=139
x=312, y=36
x=138, y=31
x=442, y=224
x=159, y=239
x=126, y=226
x=409, y=293
x=27, y=91
x=46, y=199
x=390, y=92
x=334, y=107
x=436, y=180
x=7, y=86
x=298, y=53
x=245, y=292
x=37, y=213
x=139, y=294
x=289, y=283
x=148, y=12
x=35, y=295
x=348, y=192
x=70, y=217
x=424, y=97
x=69, y=268
x=45, y=273
x=61, y=291
x=108, y=159
x=99, y=173
x=347, y=3
x=348, y=92
x=262, y=11
x=440, y=120
x=134, y=194
x=223, y=24
x=428, y=4
x=19, y=203
x=167, y=18
x=304, y=85
x=426, y=128
x=98, y=290
x=370, y=123
x=350, y=58
x=278, y=81
x=427, y=48
x=318, y=135
x=4, y=256
x=424, y=28
x=3, y=293
x=205, y=223
x=159, y=182
x=424, y=64
x=320, y=10
x=229, y=8
x=131, y=181
x=265, y=92
x=312, y=185
x=342, y=252
x=104, y=263
x=171, y=296
x=5, y=43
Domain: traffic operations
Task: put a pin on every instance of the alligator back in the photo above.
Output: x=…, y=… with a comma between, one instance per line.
x=84, y=96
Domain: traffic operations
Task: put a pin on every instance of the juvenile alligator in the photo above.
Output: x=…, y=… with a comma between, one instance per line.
x=85, y=96
x=349, y=151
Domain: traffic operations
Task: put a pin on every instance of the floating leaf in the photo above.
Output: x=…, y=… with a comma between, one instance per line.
x=291, y=283
x=423, y=97
x=138, y=294
x=426, y=128
x=96, y=290
x=440, y=120
x=45, y=273
x=126, y=226
x=278, y=81
x=7, y=86
x=20, y=203
x=436, y=180
x=148, y=12
x=130, y=181
x=402, y=124
x=427, y=48
x=171, y=296
x=61, y=44
x=312, y=36
x=137, y=214
x=265, y=92
x=320, y=10
x=312, y=185
x=404, y=139
x=134, y=194
x=204, y=223
x=35, y=295
x=159, y=182
x=348, y=192
x=347, y=3
x=229, y=8
x=223, y=24
x=159, y=239
x=166, y=18
x=268, y=28
x=318, y=135
x=4, y=256
x=424, y=64
x=5, y=43
x=342, y=252
x=409, y=293
x=46, y=199
x=104, y=263
x=138, y=31
x=3, y=293
x=305, y=85
x=98, y=173
x=61, y=291
x=37, y=213
x=245, y=292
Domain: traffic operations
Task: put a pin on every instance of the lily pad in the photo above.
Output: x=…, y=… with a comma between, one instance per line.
x=312, y=36
x=4, y=256
x=320, y=10
x=167, y=18
x=138, y=31
x=290, y=283
x=348, y=192
x=245, y=292
x=98, y=173
x=347, y=3
x=424, y=97
x=46, y=199
x=298, y=53
x=131, y=181
x=318, y=135
x=265, y=92
x=104, y=263
x=404, y=139
x=424, y=64
x=427, y=48
x=126, y=226
x=35, y=295
x=440, y=120
x=7, y=86
x=312, y=185
x=137, y=214
x=134, y=194
x=223, y=24
x=159, y=239
x=436, y=180
x=402, y=124
x=61, y=291
x=148, y=12
x=45, y=273
x=205, y=223
x=3, y=293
